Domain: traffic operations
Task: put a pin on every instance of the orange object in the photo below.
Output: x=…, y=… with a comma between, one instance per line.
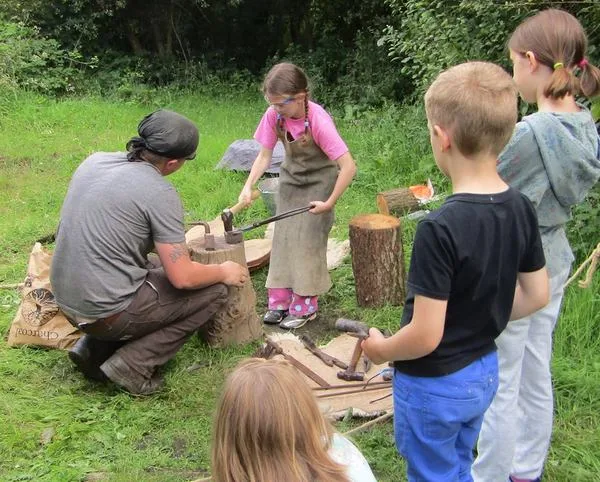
x=423, y=192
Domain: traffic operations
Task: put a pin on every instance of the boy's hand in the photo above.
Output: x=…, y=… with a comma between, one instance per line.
x=320, y=207
x=374, y=346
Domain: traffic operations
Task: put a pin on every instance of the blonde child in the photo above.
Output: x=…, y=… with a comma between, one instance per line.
x=316, y=170
x=552, y=158
x=268, y=428
x=474, y=259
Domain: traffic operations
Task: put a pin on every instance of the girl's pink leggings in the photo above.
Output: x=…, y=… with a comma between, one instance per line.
x=286, y=299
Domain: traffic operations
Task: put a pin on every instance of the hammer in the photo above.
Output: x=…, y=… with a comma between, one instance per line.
x=361, y=331
x=324, y=357
x=276, y=349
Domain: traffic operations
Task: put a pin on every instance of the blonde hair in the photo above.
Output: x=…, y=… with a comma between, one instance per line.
x=268, y=428
x=558, y=41
x=477, y=103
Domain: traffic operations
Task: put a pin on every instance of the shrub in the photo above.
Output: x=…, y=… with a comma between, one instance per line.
x=584, y=229
x=30, y=61
x=431, y=36
x=426, y=37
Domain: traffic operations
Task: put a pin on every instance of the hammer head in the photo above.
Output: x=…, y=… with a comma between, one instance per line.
x=227, y=218
x=352, y=326
x=351, y=376
x=234, y=237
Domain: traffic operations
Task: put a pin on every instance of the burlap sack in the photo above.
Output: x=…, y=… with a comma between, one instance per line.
x=38, y=320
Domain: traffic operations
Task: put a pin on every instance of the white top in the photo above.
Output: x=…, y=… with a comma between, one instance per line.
x=346, y=453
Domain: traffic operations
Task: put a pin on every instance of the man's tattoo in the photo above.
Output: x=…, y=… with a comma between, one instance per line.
x=177, y=252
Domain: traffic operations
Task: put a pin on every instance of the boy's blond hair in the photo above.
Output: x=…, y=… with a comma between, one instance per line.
x=476, y=102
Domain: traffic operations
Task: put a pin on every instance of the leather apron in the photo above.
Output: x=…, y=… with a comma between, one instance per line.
x=299, y=252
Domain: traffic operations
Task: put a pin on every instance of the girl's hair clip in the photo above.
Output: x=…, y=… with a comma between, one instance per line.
x=582, y=63
x=558, y=65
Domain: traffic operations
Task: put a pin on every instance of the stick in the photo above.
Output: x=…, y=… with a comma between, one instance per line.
x=593, y=258
x=11, y=286
x=352, y=385
x=587, y=282
x=380, y=398
x=350, y=392
x=369, y=424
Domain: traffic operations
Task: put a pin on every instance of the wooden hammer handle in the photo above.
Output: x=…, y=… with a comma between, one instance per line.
x=236, y=208
x=355, y=356
x=299, y=365
x=307, y=371
x=325, y=357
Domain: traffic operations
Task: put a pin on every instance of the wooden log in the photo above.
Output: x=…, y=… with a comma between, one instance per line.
x=377, y=260
x=397, y=201
x=237, y=322
x=258, y=253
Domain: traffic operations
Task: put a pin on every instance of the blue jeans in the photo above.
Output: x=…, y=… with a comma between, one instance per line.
x=437, y=419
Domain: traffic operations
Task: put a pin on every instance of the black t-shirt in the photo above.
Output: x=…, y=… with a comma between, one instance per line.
x=469, y=252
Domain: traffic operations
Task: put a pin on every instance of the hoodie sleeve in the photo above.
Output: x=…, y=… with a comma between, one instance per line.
x=520, y=164
x=552, y=156
x=568, y=145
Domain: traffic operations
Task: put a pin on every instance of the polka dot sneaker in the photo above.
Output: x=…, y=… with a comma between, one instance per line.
x=274, y=317
x=291, y=322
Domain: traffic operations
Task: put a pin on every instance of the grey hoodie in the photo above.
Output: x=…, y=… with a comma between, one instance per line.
x=553, y=158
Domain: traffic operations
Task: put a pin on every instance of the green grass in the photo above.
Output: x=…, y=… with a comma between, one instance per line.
x=56, y=426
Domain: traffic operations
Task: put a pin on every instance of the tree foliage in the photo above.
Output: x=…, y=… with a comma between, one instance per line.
x=29, y=60
x=425, y=37
x=357, y=51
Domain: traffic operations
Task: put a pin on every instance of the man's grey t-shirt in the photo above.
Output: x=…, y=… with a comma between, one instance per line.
x=113, y=213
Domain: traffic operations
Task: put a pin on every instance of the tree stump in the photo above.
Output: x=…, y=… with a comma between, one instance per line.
x=237, y=322
x=377, y=260
x=398, y=201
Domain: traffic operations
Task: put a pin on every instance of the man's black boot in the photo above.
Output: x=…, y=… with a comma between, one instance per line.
x=89, y=353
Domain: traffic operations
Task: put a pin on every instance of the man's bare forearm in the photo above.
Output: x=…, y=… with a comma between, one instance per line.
x=184, y=273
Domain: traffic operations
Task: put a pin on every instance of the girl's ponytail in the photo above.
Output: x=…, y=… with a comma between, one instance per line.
x=589, y=78
x=558, y=40
x=562, y=82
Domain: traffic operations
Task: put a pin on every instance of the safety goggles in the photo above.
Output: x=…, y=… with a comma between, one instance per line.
x=283, y=103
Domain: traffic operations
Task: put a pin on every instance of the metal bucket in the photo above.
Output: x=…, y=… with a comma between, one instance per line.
x=268, y=191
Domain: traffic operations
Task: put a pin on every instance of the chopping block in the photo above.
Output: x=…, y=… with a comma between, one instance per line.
x=237, y=322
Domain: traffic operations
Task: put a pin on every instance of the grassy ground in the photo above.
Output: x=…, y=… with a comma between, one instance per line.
x=56, y=426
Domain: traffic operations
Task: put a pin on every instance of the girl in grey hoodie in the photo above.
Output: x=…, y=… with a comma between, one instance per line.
x=553, y=158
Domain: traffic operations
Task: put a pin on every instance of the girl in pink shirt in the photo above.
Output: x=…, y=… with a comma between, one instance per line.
x=316, y=170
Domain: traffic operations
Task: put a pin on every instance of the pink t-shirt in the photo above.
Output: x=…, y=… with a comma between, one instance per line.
x=321, y=128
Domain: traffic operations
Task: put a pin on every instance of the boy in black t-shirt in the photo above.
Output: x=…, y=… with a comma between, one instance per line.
x=476, y=263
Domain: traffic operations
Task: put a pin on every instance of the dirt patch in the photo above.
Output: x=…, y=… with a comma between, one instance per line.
x=179, y=447
x=145, y=442
x=96, y=476
x=320, y=330
x=183, y=474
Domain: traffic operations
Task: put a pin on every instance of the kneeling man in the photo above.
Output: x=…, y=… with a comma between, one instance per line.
x=136, y=313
